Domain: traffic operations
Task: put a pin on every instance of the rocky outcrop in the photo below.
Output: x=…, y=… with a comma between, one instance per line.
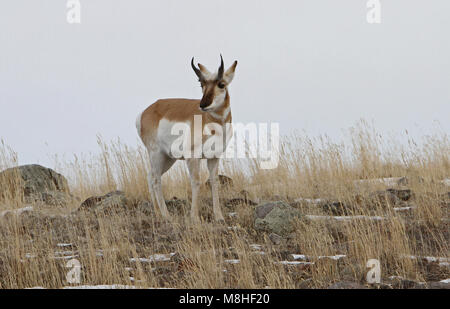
x=34, y=179
x=35, y=183
x=115, y=201
x=276, y=217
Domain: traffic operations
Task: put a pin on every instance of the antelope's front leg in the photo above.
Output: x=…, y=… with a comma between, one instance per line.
x=213, y=166
x=194, y=172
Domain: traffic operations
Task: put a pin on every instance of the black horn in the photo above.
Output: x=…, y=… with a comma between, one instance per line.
x=197, y=71
x=220, y=72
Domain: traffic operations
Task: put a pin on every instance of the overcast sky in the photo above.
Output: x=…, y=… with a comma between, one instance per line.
x=313, y=65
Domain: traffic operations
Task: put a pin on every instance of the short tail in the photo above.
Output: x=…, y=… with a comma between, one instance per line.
x=138, y=124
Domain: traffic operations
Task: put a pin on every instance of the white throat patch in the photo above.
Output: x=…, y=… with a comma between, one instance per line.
x=221, y=117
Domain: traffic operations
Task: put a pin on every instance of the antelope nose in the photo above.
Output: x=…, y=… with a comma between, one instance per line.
x=203, y=105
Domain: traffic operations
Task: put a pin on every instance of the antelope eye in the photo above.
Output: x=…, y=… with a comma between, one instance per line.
x=221, y=85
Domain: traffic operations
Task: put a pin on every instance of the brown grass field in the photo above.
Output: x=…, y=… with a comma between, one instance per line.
x=116, y=246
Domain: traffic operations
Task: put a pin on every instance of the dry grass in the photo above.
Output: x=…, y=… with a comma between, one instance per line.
x=309, y=168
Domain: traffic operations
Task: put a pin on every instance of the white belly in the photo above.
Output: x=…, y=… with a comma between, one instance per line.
x=179, y=141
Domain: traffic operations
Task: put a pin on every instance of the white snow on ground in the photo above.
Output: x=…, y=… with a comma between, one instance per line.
x=64, y=245
x=66, y=257
x=404, y=208
x=65, y=252
x=257, y=249
x=236, y=261
x=389, y=181
x=30, y=255
x=428, y=258
x=441, y=260
x=319, y=200
x=233, y=261
x=309, y=201
x=299, y=256
x=142, y=260
x=256, y=246
x=17, y=211
x=102, y=286
x=333, y=257
x=294, y=263
x=344, y=218
x=445, y=281
x=234, y=228
x=305, y=257
x=154, y=258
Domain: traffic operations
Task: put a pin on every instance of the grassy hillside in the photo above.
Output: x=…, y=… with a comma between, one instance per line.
x=324, y=180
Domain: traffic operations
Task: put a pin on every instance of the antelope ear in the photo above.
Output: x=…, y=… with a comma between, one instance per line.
x=229, y=74
x=204, y=70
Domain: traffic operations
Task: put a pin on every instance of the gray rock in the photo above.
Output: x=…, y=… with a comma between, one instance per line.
x=28, y=180
x=439, y=285
x=402, y=194
x=402, y=283
x=383, y=199
x=276, y=217
x=112, y=201
x=261, y=211
x=275, y=238
x=52, y=198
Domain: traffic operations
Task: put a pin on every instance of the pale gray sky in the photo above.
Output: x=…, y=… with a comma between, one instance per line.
x=313, y=65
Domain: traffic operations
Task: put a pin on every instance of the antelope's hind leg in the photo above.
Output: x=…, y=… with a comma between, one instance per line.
x=194, y=172
x=159, y=164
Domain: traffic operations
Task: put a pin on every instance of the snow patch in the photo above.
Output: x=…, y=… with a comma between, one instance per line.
x=305, y=257
x=154, y=258
x=309, y=200
x=17, y=211
x=345, y=218
x=232, y=261
x=294, y=263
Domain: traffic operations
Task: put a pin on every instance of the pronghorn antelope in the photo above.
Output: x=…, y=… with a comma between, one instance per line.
x=155, y=127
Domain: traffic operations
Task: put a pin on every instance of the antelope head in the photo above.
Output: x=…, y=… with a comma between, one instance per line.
x=214, y=85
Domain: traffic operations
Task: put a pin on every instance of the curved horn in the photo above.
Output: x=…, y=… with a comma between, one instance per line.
x=220, y=72
x=197, y=71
